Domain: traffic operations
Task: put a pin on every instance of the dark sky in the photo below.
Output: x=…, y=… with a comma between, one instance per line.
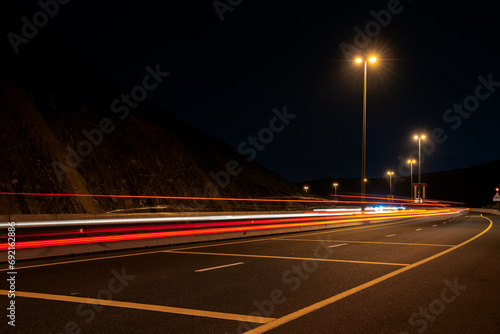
x=227, y=76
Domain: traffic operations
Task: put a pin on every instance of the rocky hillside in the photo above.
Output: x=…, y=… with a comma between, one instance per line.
x=61, y=131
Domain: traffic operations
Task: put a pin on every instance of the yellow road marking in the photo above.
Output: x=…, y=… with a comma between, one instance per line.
x=287, y=258
x=311, y=308
x=332, y=230
x=199, y=246
x=82, y=260
x=191, y=247
x=403, y=220
x=260, y=239
x=371, y=242
x=145, y=307
x=353, y=228
x=219, y=267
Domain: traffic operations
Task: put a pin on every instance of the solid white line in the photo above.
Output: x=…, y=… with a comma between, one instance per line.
x=224, y=266
x=106, y=221
x=337, y=245
x=389, y=235
x=418, y=229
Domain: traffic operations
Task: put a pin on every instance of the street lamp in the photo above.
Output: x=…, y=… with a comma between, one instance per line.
x=390, y=182
x=359, y=60
x=306, y=188
x=420, y=138
x=335, y=185
x=411, y=162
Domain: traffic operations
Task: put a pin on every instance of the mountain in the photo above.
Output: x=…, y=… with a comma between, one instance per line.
x=474, y=186
x=66, y=129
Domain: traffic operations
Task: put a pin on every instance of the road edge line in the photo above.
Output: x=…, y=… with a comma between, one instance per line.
x=316, y=306
x=140, y=306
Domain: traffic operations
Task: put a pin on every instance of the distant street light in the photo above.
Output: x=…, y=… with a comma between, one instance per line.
x=306, y=188
x=390, y=182
x=497, y=189
x=335, y=185
x=411, y=162
x=420, y=138
x=359, y=60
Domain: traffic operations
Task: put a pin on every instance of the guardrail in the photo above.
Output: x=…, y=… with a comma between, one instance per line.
x=48, y=238
x=492, y=211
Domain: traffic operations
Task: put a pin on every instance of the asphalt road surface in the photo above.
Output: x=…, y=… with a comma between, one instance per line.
x=419, y=276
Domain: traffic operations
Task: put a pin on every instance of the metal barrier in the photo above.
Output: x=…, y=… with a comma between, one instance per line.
x=492, y=211
x=48, y=238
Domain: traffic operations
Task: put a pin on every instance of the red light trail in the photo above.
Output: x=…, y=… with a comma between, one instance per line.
x=229, y=199
x=275, y=224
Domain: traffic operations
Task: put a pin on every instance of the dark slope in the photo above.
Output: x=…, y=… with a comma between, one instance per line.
x=49, y=96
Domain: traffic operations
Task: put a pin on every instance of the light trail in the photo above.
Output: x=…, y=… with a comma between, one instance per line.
x=212, y=230
x=108, y=221
x=217, y=198
x=256, y=221
x=172, y=226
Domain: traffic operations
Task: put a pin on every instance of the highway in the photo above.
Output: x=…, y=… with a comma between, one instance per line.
x=419, y=275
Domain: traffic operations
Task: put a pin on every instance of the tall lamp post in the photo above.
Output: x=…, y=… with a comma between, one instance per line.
x=359, y=60
x=390, y=182
x=335, y=185
x=306, y=188
x=419, y=138
x=411, y=162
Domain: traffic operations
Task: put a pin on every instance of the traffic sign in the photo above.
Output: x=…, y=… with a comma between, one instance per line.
x=496, y=198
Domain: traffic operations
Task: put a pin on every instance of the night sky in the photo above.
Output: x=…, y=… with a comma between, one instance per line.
x=227, y=76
